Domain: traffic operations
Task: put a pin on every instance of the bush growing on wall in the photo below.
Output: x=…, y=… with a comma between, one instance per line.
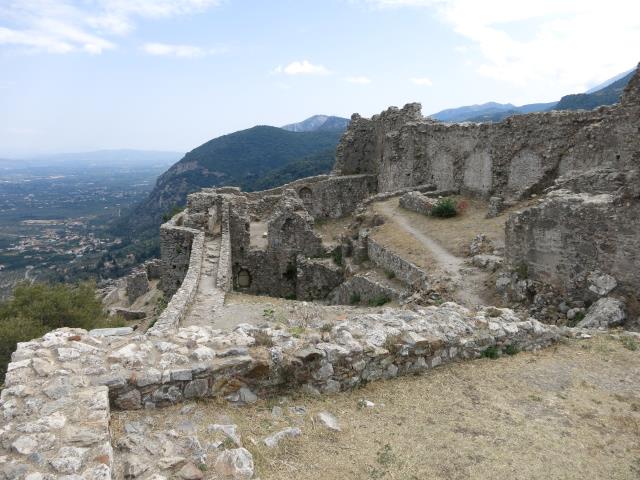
x=38, y=308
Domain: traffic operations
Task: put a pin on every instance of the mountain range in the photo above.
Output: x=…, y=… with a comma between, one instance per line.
x=606, y=93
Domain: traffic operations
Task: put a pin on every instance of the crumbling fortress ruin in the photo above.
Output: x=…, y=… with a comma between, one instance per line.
x=564, y=184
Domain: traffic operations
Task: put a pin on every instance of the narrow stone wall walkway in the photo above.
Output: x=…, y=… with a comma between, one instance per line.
x=209, y=298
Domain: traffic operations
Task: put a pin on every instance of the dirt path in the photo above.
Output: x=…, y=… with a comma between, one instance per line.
x=467, y=282
x=209, y=298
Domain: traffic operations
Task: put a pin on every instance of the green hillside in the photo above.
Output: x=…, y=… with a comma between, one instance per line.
x=254, y=159
x=588, y=101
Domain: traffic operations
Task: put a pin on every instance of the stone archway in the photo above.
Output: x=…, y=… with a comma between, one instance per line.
x=306, y=195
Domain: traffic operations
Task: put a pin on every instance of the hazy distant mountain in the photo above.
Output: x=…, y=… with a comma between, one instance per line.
x=607, y=93
x=319, y=123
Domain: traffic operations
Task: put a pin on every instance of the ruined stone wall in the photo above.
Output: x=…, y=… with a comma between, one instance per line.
x=569, y=236
x=361, y=289
x=520, y=155
x=404, y=270
x=175, y=251
x=182, y=299
x=315, y=277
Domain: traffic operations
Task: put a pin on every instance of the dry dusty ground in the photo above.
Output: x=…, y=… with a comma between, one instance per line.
x=568, y=412
x=244, y=308
x=454, y=234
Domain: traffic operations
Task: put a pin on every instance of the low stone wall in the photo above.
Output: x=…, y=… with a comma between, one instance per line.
x=416, y=202
x=177, y=308
x=361, y=289
x=404, y=270
x=394, y=193
x=225, y=277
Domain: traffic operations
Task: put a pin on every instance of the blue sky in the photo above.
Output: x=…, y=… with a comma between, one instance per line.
x=171, y=74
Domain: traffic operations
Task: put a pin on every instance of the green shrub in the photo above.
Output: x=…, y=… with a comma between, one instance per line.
x=511, y=350
x=444, y=208
x=379, y=300
x=38, y=308
x=337, y=256
x=390, y=275
x=354, y=298
x=577, y=318
x=491, y=352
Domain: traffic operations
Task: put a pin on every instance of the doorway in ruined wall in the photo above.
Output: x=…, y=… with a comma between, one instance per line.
x=243, y=280
x=306, y=195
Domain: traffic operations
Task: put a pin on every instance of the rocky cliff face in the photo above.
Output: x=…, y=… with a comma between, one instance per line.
x=519, y=156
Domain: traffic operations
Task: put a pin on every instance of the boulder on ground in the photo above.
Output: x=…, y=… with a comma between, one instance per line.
x=605, y=313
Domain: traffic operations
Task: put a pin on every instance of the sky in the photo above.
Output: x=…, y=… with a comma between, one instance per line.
x=171, y=74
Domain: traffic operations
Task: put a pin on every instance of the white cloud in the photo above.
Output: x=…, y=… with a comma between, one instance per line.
x=360, y=80
x=180, y=51
x=564, y=43
x=422, y=81
x=65, y=26
x=302, y=68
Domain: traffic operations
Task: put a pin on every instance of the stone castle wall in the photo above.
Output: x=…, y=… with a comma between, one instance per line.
x=518, y=156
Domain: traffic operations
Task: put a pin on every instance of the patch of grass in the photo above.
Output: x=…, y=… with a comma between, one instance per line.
x=389, y=274
x=379, y=300
x=297, y=331
x=203, y=466
x=577, y=318
x=522, y=269
x=629, y=343
x=326, y=327
x=262, y=339
x=511, y=350
x=290, y=296
x=491, y=352
x=337, y=256
x=354, y=298
x=444, y=208
x=269, y=313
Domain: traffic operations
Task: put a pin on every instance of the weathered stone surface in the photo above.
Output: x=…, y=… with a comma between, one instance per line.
x=190, y=472
x=236, y=464
x=274, y=439
x=329, y=421
x=605, y=313
x=601, y=284
x=111, y=332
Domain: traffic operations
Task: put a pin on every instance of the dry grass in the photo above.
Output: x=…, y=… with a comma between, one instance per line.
x=454, y=234
x=570, y=412
x=330, y=229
